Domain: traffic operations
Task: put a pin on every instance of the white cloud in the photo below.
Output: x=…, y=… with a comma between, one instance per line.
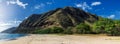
x=95, y=3
x=11, y=2
x=26, y=17
x=111, y=16
x=17, y=2
x=39, y=6
x=4, y=26
x=48, y=2
x=84, y=6
x=78, y=5
x=16, y=21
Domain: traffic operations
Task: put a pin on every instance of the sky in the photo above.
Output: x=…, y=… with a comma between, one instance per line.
x=13, y=12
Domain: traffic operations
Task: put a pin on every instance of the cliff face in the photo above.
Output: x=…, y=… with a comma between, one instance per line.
x=61, y=17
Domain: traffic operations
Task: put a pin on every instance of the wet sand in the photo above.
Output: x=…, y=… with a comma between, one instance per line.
x=64, y=39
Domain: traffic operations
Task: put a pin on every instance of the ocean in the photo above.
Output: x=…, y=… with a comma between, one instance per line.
x=7, y=36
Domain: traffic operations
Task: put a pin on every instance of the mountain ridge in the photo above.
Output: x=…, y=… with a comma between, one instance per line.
x=60, y=17
x=9, y=30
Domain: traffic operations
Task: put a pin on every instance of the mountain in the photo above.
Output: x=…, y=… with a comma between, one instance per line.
x=60, y=17
x=9, y=30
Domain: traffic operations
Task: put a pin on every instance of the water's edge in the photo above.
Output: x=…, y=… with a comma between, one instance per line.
x=7, y=36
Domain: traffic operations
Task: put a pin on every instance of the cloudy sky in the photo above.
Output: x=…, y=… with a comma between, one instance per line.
x=12, y=12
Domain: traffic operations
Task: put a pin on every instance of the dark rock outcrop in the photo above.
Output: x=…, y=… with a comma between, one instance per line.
x=61, y=17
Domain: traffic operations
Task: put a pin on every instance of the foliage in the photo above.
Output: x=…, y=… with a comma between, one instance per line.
x=114, y=31
x=43, y=31
x=57, y=30
x=98, y=27
x=49, y=30
x=108, y=26
x=114, y=28
x=83, y=29
x=68, y=31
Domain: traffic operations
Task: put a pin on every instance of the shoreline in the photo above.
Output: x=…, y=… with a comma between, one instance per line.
x=64, y=39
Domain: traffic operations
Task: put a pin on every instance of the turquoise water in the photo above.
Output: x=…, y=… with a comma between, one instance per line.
x=6, y=36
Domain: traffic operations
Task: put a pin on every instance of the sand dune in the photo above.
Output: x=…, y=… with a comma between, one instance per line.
x=64, y=39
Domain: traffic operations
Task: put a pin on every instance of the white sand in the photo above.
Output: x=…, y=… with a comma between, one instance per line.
x=64, y=39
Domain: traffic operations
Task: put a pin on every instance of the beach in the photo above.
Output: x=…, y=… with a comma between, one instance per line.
x=64, y=39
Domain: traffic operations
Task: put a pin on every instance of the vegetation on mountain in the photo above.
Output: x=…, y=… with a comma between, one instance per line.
x=49, y=30
x=69, y=30
x=107, y=26
x=83, y=29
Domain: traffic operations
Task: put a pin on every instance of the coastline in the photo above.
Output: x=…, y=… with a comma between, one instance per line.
x=64, y=39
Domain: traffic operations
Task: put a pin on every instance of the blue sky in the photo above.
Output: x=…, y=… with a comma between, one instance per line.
x=12, y=12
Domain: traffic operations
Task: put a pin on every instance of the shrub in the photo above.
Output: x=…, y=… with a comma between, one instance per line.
x=113, y=30
x=68, y=30
x=57, y=30
x=43, y=31
x=107, y=26
x=49, y=30
x=83, y=29
x=98, y=27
